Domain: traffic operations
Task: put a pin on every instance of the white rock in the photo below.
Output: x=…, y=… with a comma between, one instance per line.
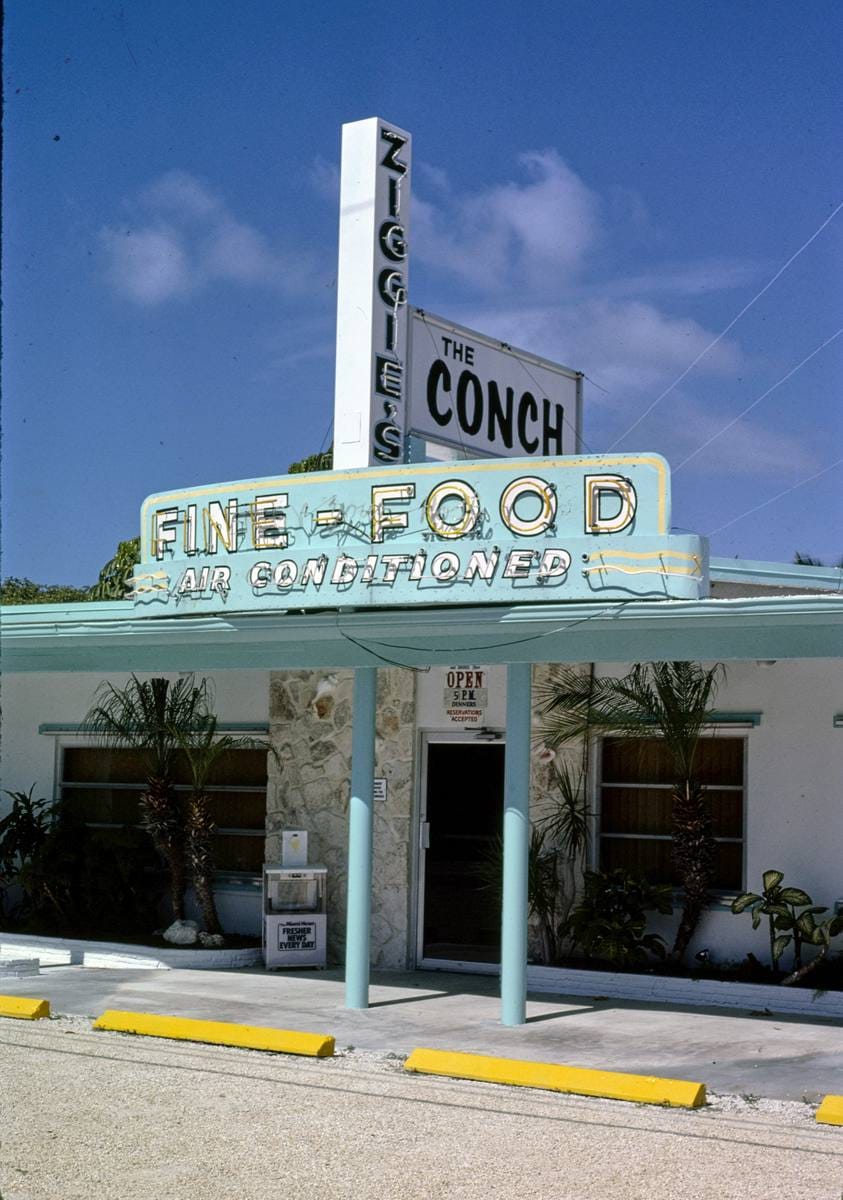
x=182, y=933
x=211, y=941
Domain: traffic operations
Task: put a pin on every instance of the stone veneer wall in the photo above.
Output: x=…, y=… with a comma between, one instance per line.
x=308, y=788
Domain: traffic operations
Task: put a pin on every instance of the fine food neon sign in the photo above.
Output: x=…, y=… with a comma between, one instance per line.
x=460, y=533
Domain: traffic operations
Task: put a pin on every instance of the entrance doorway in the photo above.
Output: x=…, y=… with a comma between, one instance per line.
x=462, y=820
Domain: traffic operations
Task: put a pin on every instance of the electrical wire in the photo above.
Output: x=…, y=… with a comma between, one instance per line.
x=731, y=325
x=763, y=396
x=327, y=435
x=773, y=499
x=475, y=650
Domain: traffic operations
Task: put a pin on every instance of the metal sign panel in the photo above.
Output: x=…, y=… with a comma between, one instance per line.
x=494, y=530
x=483, y=397
x=370, y=389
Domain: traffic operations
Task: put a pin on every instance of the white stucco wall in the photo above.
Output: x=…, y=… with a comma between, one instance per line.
x=28, y=757
x=794, y=806
x=794, y=780
x=30, y=700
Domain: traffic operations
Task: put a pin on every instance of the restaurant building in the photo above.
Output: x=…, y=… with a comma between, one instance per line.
x=383, y=626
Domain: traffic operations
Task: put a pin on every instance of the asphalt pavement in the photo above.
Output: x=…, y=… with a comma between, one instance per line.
x=94, y=1114
x=732, y=1052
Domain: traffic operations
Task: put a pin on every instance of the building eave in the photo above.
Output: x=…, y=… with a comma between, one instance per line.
x=110, y=637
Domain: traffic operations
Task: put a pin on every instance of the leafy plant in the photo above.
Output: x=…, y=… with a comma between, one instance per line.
x=23, y=831
x=82, y=879
x=113, y=582
x=25, y=591
x=610, y=920
x=542, y=885
x=786, y=924
x=204, y=746
x=152, y=716
x=568, y=823
x=674, y=700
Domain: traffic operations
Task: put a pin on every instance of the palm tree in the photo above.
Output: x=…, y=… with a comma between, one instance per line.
x=113, y=582
x=151, y=716
x=675, y=701
x=203, y=746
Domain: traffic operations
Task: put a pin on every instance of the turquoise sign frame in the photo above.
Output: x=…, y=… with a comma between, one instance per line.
x=488, y=531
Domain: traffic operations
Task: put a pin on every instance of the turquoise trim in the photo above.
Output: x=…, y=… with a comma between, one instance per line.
x=771, y=574
x=736, y=718
x=54, y=638
x=222, y=726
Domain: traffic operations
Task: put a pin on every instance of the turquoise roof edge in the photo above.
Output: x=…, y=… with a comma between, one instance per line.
x=773, y=574
x=111, y=637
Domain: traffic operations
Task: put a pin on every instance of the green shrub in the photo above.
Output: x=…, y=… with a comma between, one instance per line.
x=610, y=921
x=786, y=924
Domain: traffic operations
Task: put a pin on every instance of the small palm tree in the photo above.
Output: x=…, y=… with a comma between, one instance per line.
x=204, y=746
x=670, y=699
x=151, y=716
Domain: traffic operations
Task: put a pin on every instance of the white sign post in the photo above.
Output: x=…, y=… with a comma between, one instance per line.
x=371, y=385
x=480, y=397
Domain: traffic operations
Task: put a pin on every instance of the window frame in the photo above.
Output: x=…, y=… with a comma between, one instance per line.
x=721, y=897
x=67, y=738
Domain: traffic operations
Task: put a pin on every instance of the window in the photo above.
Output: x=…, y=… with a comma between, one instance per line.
x=103, y=786
x=635, y=807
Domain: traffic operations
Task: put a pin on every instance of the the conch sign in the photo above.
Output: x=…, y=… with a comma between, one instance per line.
x=492, y=531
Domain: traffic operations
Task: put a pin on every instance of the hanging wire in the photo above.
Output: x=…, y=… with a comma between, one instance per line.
x=390, y=662
x=539, y=386
x=763, y=396
x=476, y=650
x=773, y=499
x=731, y=325
x=327, y=435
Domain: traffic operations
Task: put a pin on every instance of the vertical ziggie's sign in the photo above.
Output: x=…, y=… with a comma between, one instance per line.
x=370, y=392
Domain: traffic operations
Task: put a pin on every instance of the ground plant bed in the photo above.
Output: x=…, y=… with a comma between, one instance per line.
x=827, y=976
x=122, y=952
x=819, y=994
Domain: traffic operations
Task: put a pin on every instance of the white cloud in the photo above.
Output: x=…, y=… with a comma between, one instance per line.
x=747, y=447
x=182, y=194
x=237, y=251
x=548, y=265
x=629, y=346
x=525, y=235
x=148, y=265
x=186, y=239
x=324, y=178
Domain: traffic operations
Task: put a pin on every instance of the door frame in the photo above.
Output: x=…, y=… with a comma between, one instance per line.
x=426, y=738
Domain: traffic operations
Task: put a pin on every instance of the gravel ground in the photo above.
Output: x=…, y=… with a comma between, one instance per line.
x=115, y=1117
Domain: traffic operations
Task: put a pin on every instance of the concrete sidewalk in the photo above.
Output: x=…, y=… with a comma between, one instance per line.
x=745, y=1054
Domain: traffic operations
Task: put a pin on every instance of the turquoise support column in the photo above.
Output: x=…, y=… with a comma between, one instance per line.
x=360, y=827
x=516, y=845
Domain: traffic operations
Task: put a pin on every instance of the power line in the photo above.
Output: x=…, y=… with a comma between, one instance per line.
x=763, y=396
x=773, y=499
x=731, y=325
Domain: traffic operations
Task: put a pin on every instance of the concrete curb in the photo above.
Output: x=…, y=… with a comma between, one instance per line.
x=64, y=952
x=830, y=1112
x=218, y=1033
x=608, y=1085
x=24, y=1008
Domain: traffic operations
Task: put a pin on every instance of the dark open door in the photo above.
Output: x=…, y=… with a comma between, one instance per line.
x=464, y=814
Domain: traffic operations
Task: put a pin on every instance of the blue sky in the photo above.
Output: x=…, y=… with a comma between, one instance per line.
x=606, y=184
